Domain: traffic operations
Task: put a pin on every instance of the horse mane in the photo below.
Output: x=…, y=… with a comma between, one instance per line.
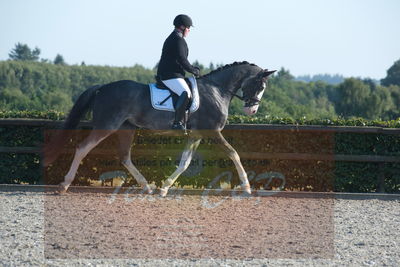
x=227, y=66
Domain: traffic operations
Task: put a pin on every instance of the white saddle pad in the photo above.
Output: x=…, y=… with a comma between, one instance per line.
x=159, y=95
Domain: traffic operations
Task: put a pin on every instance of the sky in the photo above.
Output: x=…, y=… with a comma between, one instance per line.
x=354, y=38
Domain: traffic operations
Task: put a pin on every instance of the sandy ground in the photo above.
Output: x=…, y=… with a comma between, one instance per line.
x=39, y=228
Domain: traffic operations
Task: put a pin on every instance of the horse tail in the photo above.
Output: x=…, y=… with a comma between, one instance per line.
x=80, y=108
x=53, y=149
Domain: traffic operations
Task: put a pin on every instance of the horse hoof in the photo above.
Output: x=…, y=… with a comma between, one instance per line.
x=61, y=190
x=163, y=192
x=246, y=188
x=147, y=190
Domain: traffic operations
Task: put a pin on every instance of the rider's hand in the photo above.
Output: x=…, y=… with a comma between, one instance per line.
x=196, y=71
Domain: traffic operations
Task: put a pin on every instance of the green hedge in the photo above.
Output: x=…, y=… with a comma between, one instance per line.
x=300, y=175
x=305, y=121
x=20, y=168
x=25, y=114
x=235, y=119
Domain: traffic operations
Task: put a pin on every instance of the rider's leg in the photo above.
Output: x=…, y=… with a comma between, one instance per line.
x=179, y=87
x=180, y=112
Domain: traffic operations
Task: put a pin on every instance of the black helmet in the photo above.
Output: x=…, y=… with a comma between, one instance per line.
x=184, y=20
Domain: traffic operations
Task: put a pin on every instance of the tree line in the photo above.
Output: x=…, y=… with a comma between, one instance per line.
x=28, y=83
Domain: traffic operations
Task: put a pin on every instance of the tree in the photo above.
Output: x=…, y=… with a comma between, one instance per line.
x=199, y=65
x=24, y=53
x=379, y=104
x=364, y=99
x=285, y=74
x=59, y=60
x=395, y=96
x=353, y=97
x=211, y=66
x=393, y=75
x=45, y=60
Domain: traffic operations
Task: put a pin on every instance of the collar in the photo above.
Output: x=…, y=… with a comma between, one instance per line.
x=180, y=34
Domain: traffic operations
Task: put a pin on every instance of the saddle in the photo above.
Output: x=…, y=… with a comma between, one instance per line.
x=162, y=98
x=162, y=86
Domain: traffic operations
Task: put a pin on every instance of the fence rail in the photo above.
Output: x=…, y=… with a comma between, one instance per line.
x=247, y=155
x=318, y=128
x=251, y=155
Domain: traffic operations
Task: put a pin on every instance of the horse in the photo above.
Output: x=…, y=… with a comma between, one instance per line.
x=125, y=104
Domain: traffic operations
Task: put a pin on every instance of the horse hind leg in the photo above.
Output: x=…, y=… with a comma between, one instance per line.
x=125, y=141
x=94, y=138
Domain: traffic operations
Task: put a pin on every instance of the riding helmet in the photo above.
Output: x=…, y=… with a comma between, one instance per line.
x=184, y=20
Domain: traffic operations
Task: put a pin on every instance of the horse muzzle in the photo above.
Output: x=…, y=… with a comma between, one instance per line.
x=251, y=110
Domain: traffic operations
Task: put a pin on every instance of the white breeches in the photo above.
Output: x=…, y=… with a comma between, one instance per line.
x=178, y=86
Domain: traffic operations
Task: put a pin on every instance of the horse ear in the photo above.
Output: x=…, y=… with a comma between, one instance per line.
x=267, y=72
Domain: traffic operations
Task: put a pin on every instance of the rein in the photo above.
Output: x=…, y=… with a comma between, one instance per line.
x=238, y=96
x=230, y=92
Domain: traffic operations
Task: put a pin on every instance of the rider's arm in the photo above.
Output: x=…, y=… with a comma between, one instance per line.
x=182, y=53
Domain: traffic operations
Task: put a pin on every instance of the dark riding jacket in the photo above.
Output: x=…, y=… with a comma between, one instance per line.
x=173, y=62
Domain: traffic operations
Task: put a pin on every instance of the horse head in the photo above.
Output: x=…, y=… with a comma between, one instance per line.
x=253, y=90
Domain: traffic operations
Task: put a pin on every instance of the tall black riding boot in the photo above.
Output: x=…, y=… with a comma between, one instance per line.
x=180, y=111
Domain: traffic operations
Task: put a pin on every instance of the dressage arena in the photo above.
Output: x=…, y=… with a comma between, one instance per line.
x=86, y=227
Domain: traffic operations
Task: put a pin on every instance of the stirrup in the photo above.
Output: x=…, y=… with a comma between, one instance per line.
x=178, y=126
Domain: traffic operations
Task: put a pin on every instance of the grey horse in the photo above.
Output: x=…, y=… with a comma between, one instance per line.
x=126, y=105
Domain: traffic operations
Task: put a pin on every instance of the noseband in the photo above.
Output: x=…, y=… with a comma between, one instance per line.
x=248, y=102
x=252, y=102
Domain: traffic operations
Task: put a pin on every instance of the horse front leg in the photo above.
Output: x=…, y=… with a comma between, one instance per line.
x=186, y=158
x=234, y=156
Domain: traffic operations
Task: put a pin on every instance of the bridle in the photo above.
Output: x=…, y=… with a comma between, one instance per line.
x=248, y=102
x=236, y=95
x=252, y=102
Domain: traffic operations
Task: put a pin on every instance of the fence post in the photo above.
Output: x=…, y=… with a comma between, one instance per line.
x=381, y=178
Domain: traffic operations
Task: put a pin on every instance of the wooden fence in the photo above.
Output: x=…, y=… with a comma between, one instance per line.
x=381, y=160
x=48, y=124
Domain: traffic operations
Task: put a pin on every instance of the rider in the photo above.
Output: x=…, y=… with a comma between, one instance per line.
x=174, y=63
